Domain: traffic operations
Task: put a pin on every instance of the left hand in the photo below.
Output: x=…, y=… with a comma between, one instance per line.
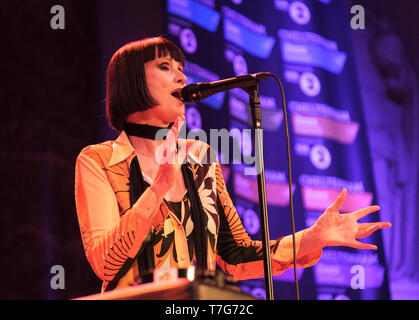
x=336, y=229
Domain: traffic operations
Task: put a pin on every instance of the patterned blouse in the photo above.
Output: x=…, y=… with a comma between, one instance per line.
x=113, y=230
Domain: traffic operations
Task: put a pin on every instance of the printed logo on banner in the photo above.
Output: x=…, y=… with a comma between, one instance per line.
x=236, y=59
x=193, y=118
x=319, y=192
x=299, y=12
x=246, y=34
x=309, y=84
x=311, y=49
x=196, y=73
x=277, y=188
x=249, y=218
x=243, y=139
x=188, y=40
x=355, y=270
x=239, y=65
x=320, y=157
x=251, y=221
x=195, y=12
x=321, y=120
x=240, y=109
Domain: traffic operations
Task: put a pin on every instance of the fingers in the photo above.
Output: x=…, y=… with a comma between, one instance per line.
x=177, y=126
x=179, y=146
x=170, y=156
x=171, y=140
x=360, y=245
x=181, y=122
x=366, y=229
x=339, y=200
x=365, y=211
x=168, y=151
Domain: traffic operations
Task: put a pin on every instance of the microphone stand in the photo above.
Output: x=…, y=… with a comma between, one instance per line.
x=257, y=126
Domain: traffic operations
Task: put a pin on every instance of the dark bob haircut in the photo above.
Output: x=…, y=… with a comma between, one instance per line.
x=126, y=86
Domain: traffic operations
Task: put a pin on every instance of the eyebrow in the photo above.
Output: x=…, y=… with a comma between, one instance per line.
x=166, y=59
x=169, y=59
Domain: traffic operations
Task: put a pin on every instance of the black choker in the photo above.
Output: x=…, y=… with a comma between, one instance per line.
x=146, y=131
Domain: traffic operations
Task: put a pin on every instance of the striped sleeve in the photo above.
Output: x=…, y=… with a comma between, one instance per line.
x=109, y=240
x=242, y=257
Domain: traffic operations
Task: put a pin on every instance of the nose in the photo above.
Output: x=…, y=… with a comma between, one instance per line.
x=181, y=77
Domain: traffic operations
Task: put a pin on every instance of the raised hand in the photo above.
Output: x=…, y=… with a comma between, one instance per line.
x=337, y=229
x=169, y=159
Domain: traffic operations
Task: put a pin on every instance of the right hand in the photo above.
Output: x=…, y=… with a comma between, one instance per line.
x=169, y=160
x=336, y=229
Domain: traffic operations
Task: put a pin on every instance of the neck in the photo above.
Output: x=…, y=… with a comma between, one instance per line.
x=143, y=117
x=145, y=138
x=145, y=147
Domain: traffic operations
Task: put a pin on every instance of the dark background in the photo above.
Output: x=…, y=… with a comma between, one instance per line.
x=53, y=86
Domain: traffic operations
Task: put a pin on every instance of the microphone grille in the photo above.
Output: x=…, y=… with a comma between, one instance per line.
x=189, y=93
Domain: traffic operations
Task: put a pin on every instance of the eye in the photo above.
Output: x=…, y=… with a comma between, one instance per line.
x=164, y=66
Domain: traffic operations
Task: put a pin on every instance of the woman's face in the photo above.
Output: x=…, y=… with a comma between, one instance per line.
x=165, y=79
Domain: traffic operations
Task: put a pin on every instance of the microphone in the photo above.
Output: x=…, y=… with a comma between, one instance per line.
x=197, y=91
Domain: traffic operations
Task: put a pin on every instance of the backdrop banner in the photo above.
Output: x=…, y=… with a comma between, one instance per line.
x=307, y=44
